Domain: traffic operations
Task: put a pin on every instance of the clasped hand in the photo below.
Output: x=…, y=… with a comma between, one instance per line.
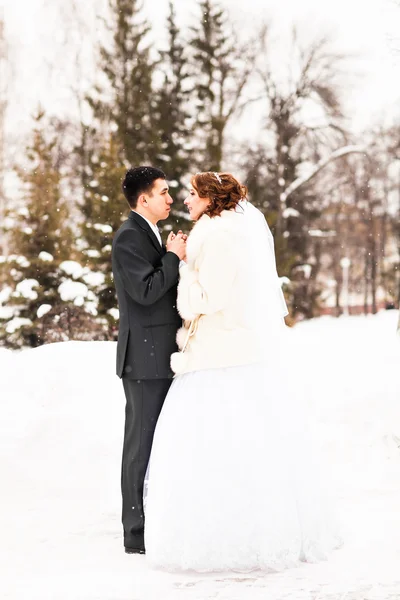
x=176, y=243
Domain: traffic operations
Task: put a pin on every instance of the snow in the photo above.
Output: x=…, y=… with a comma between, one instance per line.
x=90, y=307
x=43, y=310
x=290, y=212
x=114, y=312
x=61, y=428
x=319, y=233
x=93, y=253
x=71, y=268
x=22, y=261
x=94, y=279
x=284, y=281
x=306, y=269
x=46, y=256
x=17, y=323
x=75, y=270
x=6, y=312
x=5, y=294
x=25, y=288
x=8, y=223
x=71, y=290
x=103, y=228
x=312, y=171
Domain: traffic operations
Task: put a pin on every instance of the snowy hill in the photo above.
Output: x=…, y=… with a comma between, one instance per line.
x=61, y=424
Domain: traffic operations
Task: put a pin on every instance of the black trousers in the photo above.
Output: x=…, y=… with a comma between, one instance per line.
x=144, y=401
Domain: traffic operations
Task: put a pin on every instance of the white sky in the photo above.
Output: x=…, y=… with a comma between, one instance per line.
x=43, y=50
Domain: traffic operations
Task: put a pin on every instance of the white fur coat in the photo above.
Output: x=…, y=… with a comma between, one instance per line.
x=213, y=290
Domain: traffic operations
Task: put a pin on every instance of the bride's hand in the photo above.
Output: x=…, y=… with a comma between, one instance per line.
x=184, y=236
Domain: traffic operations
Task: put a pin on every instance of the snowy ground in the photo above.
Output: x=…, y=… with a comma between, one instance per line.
x=61, y=421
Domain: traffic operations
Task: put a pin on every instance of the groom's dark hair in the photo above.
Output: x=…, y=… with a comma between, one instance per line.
x=139, y=180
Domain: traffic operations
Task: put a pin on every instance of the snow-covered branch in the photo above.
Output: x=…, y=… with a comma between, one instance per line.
x=344, y=151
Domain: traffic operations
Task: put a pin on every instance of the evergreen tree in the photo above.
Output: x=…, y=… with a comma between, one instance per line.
x=125, y=131
x=128, y=102
x=220, y=68
x=104, y=208
x=40, y=241
x=174, y=122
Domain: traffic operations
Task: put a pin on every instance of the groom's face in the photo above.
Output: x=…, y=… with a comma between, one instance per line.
x=159, y=201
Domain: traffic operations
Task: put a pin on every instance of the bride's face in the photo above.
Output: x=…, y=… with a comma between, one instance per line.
x=196, y=205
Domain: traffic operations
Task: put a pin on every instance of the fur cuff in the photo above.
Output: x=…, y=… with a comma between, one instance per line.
x=188, y=278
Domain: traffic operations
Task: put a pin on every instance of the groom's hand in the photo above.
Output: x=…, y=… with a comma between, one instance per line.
x=177, y=244
x=171, y=237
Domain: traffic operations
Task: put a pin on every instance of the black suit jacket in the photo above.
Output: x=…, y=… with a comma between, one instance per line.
x=146, y=279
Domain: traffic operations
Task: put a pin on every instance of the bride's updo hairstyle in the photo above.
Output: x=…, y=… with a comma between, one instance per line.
x=223, y=190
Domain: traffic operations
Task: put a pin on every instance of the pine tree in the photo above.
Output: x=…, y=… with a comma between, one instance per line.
x=174, y=122
x=104, y=208
x=220, y=67
x=124, y=132
x=41, y=239
x=129, y=100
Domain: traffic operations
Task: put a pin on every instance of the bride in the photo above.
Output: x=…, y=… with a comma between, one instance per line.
x=232, y=481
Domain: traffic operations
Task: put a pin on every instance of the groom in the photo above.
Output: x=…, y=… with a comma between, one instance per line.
x=146, y=277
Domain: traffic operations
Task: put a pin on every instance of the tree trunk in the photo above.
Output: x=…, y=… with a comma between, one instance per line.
x=373, y=275
x=366, y=281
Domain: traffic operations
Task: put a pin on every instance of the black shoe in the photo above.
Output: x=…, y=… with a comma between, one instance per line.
x=135, y=550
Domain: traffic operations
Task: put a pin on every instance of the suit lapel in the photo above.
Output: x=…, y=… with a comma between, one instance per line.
x=143, y=224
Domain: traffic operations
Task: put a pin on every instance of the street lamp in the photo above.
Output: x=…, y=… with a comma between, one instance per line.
x=345, y=264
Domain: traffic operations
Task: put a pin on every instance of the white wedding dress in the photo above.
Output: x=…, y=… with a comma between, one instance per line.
x=233, y=482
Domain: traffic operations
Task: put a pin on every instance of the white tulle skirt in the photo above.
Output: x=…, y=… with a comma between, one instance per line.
x=233, y=480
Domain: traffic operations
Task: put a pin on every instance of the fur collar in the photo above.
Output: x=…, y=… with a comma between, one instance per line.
x=227, y=221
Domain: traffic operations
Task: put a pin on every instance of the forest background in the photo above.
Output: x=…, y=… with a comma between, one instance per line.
x=199, y=89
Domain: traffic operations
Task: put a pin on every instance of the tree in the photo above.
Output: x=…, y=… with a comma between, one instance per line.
x=104, y=208
x=174, y=123
x=392, y=268
x=221, y=67
x=41, y=240
x=291, y=143
x=124, y=132
x=357, y=219
x=4, y=80
x=127, y=100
